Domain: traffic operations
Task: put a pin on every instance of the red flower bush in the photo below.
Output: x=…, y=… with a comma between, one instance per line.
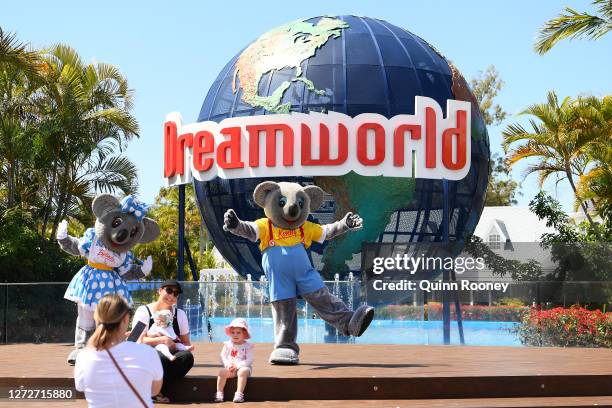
x=573, y=327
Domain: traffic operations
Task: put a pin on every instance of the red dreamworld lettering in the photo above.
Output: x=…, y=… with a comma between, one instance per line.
x=203, y=143
x=458, y=133
x=324, y=146
x=430, y=138
x=271, y=132
x=169, y=147
x=183, y=142
x=427, y=144
x=233, y=145
x=398, y=141
x=379, y=144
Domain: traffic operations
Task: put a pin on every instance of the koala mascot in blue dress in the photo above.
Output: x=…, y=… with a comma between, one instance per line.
x=284, y=237
x=110, y=263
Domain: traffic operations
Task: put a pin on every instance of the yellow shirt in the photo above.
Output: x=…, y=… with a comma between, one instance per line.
x=285, y=237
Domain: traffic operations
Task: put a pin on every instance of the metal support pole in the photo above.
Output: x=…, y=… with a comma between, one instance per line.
x=181, y=235
x=445, y=272
x=192, y=266
x=458, y=311
x=6, y=305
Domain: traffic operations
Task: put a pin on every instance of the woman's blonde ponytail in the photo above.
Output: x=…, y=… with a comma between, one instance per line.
x=108, y=315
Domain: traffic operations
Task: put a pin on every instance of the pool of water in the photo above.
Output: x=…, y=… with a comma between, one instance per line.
x=380, y=332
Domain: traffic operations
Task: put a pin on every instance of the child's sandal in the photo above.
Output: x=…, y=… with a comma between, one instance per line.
x=238, y=397
x=219, y=397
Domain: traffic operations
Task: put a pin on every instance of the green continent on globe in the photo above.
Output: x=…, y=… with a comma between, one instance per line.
x=375, y=199
x=286, y=46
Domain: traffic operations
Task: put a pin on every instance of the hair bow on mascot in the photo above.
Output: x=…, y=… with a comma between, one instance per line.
x=110, y=263
x=284, y=237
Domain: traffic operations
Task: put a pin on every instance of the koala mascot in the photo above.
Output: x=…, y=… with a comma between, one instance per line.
x=284, y=237
x=110, y=263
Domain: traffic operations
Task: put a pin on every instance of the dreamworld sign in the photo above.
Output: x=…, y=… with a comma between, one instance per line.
x=423, y=145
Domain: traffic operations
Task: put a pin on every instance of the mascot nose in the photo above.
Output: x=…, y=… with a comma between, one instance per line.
x=293, y=210
x=121, y=235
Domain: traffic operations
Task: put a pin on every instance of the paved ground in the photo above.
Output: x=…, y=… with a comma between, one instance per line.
x=350, y=360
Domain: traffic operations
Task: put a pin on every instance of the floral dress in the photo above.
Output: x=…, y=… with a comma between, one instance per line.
x=102, y=274
x=240, y=355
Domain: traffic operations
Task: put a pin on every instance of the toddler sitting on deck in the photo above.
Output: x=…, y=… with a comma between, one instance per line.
x=237, y=359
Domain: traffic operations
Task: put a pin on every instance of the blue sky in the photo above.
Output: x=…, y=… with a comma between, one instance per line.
x=172, y=51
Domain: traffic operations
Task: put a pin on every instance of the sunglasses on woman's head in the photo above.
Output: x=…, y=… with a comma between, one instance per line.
x=172, y=291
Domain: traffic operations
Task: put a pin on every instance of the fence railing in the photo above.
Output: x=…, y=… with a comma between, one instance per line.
x=37, y=312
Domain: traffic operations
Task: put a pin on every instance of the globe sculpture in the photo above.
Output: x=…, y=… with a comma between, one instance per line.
x=351, y=65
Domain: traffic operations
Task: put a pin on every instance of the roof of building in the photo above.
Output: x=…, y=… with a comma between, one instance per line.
x=517, y=224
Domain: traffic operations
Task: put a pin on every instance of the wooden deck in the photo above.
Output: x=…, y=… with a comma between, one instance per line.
x=368, y=373
x=554, y=402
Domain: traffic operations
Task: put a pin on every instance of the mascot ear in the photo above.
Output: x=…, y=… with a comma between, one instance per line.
x=103, y=203
x=316, y=196
x=262, y=190
x=151, y=231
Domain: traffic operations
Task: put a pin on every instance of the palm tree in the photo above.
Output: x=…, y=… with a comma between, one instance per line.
x=88, y=118
x=573, y=24
x=63, y=126
x=596, y=184
x=20, y=75
x=560, y=141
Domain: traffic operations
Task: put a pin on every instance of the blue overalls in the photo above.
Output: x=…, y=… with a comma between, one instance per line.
x=288, y=269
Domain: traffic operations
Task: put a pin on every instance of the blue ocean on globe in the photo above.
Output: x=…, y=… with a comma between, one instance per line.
x=351, y=65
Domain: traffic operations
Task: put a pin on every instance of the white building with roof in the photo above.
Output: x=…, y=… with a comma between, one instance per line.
x=513, y=233
x=510, y=224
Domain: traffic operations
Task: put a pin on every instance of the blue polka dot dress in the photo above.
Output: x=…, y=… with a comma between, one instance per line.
x=91, y=283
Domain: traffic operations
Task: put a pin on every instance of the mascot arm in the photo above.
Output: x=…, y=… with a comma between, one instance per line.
x=134, y=273
x=134, y=269
x=233, y=224
x=349, y=222
x=72, y=245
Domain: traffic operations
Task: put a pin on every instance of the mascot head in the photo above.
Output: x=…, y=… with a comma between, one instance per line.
x=287, y=205
x=120, y=225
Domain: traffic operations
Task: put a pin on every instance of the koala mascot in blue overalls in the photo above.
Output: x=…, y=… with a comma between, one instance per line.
x=284, y=237
x=110, y=263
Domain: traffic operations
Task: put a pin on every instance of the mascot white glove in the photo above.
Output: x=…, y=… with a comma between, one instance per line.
x=147, y=265
x=353, y=221
x=62, y=230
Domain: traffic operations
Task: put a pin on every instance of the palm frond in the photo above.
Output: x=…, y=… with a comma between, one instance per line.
x=573, y=24
x=15, y=53
x=112, y=175
x=120, y=118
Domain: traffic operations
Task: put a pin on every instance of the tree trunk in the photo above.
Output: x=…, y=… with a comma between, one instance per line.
x=10, y=192
x=582, y=204
x=47, y=207
x=60, y=209
x=66, y=206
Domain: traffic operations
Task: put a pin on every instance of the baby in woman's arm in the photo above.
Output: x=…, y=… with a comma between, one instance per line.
x=162, y=326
